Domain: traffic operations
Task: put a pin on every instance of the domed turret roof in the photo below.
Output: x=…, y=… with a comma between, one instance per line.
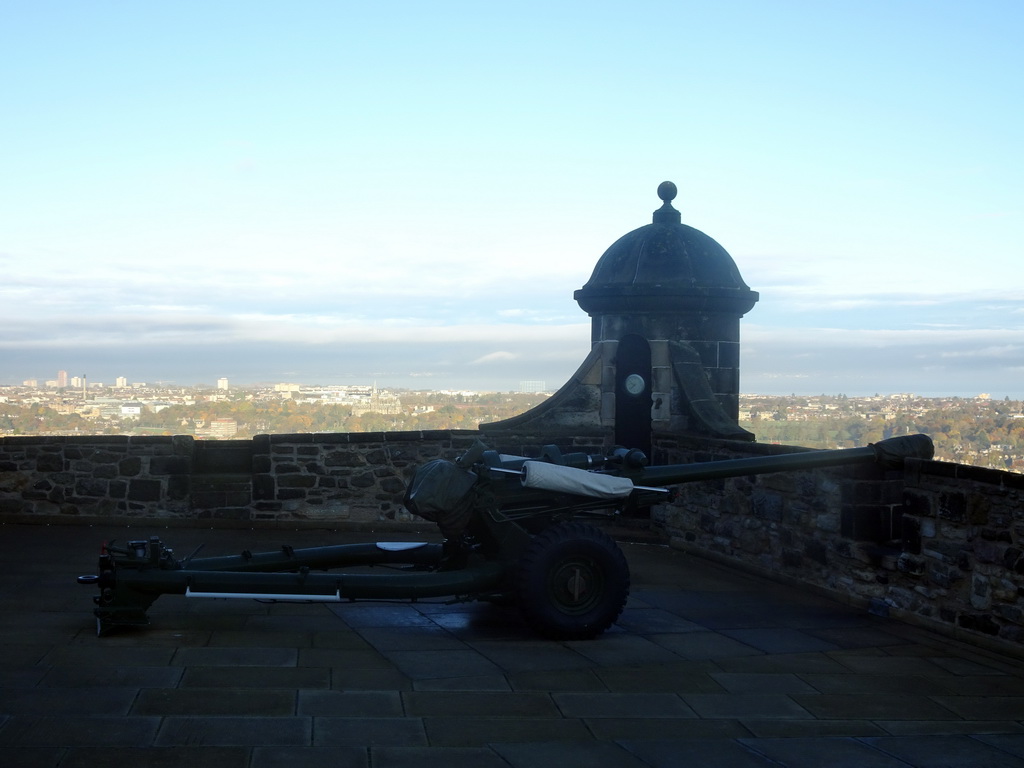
x=665, y=266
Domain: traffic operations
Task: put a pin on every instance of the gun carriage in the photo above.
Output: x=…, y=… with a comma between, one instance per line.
x=511, y=532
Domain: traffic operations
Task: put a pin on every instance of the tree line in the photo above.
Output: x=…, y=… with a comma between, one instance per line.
x=965, y=430
x=419, y=411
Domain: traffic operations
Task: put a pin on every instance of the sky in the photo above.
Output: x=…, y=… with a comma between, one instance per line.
x=336, y=192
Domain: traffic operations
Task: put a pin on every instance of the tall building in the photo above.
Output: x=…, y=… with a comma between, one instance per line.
x=62, y=379
x=121, y=381
x=222, y=383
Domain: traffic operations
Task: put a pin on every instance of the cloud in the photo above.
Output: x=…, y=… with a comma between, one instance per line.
x=493, y=357
x=1013, y=351
x=932, y=361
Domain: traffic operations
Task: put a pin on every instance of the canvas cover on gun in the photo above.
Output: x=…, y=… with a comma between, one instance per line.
x=442, y=493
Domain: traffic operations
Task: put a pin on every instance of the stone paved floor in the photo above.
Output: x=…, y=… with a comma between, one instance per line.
x=707, y=667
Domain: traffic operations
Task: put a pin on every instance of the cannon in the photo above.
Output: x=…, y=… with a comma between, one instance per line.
x=512, y=533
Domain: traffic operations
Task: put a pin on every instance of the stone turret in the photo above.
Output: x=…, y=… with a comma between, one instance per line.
x=665, y=302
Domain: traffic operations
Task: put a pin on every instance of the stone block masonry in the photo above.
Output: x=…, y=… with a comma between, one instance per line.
x=100, y=477
x=316, y=479
x=345, y=477
x=937, y=544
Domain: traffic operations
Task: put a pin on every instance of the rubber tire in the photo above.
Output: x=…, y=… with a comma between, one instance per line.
x=572, y=582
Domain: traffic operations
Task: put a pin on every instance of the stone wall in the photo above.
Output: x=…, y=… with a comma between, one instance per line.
x=937, y=544
x=62, y=478
x=351, y=478
x=354, y=479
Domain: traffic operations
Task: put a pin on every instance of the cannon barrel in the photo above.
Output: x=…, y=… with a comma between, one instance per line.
x=447, y=492
x=889, y=454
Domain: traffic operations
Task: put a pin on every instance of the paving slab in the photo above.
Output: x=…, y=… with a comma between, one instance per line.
x=781, y=728
x=984, y=707
x=679, y=677
x=496, y=682
x=350, y=703
x=309, y=757
x=704, y=645
x=235, y=731
x=79, y=730
x=592, y=754
x=157, y=757
x=102, y=676
x=236, y=657
x=937, y=751
x=433, y=757
x=556, y=680
x=950, y=727
x=355, y=657
x=1013, y=744
x=745, y=705
x=383, y=679
x=874, y=706
x=531, y=655
x=826, y=752
x=662, y=728
x=674, y=753
x=647, y=706
x=291, y=678
x=216, y=701
x=486, y=731
x=870, y=683
x=479, y=704
x=68, y=701
x=369, y=732
x=780, y=640
x=767, y=682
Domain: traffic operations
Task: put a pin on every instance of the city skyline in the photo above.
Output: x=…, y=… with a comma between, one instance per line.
x=79, y=382
x=337, y=193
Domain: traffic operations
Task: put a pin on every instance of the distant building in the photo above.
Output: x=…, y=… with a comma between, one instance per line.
x=121, y=381
x=220, y=429
x=222, y=383
x=532, y=386
x=131, y=410
x=62, y=379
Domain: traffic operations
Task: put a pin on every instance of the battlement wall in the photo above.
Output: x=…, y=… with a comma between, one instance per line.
x=300, y=479
x=936, y=543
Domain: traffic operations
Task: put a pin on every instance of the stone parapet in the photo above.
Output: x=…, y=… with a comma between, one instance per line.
x=937, y=544
x=356, y=478
x=96, y=477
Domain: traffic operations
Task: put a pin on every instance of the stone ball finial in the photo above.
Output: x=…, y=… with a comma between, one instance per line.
x=666, y=214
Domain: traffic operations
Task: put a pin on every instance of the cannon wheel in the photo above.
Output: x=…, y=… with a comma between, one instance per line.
x=572, y=582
